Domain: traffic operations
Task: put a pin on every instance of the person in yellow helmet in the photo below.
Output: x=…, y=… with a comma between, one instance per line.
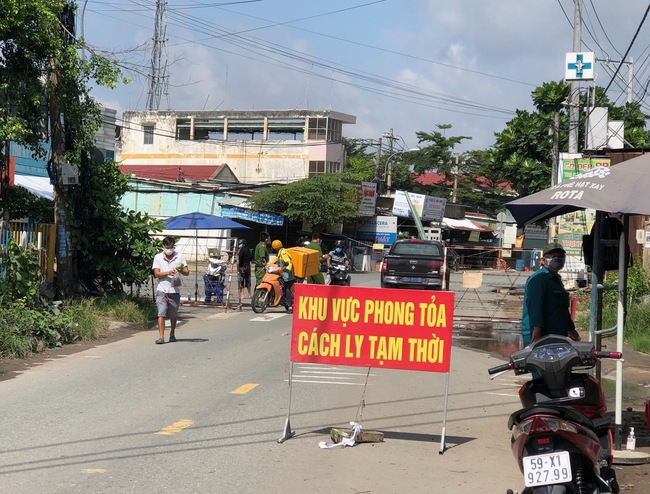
x=283, y=259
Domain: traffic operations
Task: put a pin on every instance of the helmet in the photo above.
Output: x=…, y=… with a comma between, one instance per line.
x=242, y=242
x=339, y=243
x=306, y=243
x=276, y=245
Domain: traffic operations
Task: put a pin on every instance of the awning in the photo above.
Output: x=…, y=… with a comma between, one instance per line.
x=242, y=213
x=39, y=186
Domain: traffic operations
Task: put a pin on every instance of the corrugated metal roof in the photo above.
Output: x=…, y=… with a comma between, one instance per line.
x=232, y=201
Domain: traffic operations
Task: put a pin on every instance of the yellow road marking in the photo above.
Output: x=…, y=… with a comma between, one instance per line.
x=175, y=427
x=94, y=470
x=241, y=390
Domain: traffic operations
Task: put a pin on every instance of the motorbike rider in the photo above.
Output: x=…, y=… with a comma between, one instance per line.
x=283, y=259
x=546, y=301
x=338, y=255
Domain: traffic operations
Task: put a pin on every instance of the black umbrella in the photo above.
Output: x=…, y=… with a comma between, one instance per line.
x=621, y=189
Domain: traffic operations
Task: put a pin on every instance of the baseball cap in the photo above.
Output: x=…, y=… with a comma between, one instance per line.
x=551, y=247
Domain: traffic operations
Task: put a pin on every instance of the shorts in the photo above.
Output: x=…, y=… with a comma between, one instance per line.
x=168, y=304
x=244, y=277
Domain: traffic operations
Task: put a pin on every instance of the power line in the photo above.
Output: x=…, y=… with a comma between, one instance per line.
x=407, y=93
x=628, y=48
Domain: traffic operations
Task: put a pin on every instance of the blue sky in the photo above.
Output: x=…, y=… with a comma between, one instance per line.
x=405, y=65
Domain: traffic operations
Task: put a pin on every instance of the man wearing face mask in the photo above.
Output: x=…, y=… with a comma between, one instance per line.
x=338, y=255
x=167, y=268
x=546, y=301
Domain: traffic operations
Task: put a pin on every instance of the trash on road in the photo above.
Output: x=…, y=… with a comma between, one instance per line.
x=355, y=434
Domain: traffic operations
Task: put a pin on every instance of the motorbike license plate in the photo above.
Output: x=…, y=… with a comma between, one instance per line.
x=412, y=280
x=548, y=469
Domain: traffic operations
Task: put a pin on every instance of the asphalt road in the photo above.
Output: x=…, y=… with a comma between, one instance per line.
x=135, y=417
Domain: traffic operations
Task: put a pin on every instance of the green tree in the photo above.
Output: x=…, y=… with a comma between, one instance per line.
x=524, y=149
x=436, y=151
x=483, y=185
x=110, y=242
x=360, y=164
x=321, y=201
x=44, y=80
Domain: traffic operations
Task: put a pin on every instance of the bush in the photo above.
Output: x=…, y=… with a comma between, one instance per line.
x=79, y=321
x=22, y=329
x=637, y=323
x=130, y=309
x=13, y=343
x=25, y=330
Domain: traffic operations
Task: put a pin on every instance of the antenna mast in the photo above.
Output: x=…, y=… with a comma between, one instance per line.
x=158, y=79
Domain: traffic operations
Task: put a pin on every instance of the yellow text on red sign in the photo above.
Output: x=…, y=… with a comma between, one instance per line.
x=356, y=326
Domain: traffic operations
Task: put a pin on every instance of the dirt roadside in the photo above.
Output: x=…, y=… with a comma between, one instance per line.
x=10, y=368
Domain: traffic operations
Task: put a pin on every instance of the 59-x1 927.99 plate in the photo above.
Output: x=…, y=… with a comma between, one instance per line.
x=551, y=468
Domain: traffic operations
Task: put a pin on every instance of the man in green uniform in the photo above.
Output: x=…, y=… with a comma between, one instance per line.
x=261, y=257
x=315, y=244
x=546, y=301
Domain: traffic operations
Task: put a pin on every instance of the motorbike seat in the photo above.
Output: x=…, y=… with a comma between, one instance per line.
x=565, y=413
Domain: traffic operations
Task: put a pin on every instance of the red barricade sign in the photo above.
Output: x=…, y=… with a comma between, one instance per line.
x=375, y=327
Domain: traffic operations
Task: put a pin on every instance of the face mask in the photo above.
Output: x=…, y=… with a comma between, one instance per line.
x=338, y=250
x=168, y=252
x=555, y=263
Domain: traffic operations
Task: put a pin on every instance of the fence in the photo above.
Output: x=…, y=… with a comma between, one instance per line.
x=43, y=236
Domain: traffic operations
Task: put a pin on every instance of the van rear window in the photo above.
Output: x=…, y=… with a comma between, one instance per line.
x=407, y=249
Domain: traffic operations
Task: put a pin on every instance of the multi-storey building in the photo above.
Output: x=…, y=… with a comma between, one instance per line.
x=247, y=146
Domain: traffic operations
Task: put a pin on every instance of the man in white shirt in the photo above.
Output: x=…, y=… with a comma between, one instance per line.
x=167, y=268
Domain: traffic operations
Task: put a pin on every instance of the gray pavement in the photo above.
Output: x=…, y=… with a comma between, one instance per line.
x=91, y=421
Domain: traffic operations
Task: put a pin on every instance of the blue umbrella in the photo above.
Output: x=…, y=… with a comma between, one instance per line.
x=200, y=221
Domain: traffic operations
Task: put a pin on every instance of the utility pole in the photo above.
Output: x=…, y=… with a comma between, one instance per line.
x=378, y=159
x=455, y=171
x=574, y=95
x=64, y=252
x=555, y=132
x=630, y=79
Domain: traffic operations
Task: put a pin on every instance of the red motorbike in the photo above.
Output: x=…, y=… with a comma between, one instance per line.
x=561, y=439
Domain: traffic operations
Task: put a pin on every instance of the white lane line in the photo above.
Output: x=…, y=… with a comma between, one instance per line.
x=325, y=382
x=267, y=317
x=316, y=378
x=311, y=374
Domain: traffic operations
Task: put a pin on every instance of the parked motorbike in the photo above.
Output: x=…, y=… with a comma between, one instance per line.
x=339, y=275
x=561, y=439
x=214, y=279
x=271, y=290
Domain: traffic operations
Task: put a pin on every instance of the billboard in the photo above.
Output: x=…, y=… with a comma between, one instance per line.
x=368, y=199
x=378, y=229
